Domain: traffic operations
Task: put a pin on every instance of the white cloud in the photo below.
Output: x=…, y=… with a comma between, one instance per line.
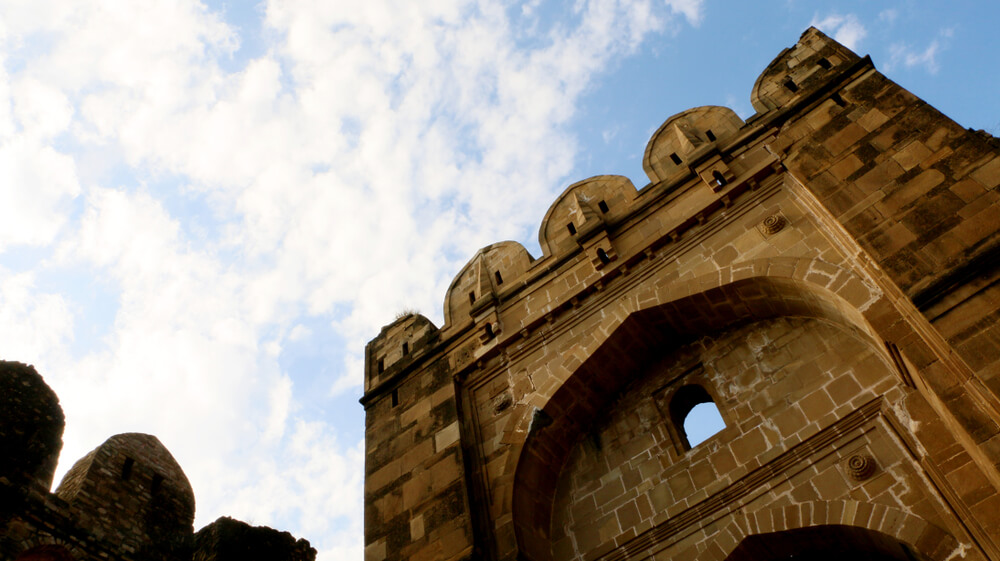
x=345, y=173
x=691, y=9
x=903, y=54
x=34, y=324
x=37, y=183
x=845, y=29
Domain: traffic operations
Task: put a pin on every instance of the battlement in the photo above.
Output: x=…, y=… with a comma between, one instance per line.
x=694, y=149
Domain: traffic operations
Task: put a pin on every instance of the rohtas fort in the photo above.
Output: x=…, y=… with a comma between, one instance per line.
x=824, y=274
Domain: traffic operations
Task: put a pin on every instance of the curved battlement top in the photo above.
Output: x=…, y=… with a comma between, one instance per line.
x=684, y=136
x=491, y=268
x=798, y=68
x=597, y=198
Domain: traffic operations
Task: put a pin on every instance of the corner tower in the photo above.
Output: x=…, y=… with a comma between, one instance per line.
x=824, y=273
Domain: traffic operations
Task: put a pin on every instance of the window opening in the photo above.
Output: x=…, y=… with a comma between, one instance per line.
x=790, y=85
x=472, y=297
x=824, y=63
x=675, y=159
x=127, y=468
x=489, y=331
x=603, y=206
x=395, y=397
x=381, y=365
x=838, y=100
x=496, y=275
x=157, y=483
x=702, y=423
x=603, y=256
x=571, y=228
x=406, y=348
x=709, y=134
x=719, y=179
x=695, y=415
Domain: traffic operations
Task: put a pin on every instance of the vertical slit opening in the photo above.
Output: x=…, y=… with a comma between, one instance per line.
x=710, y=135
x=824, y=63
x=472, y=297
x=394, y=397
x=380, y=365
x=406, y=348
x=603, y=206
x=127, y=468
x=602, y=256
x=838, y=100
x=720, y=180
x=675, y=159
x=571, y=228
x=157, y=483
x=498, y=277
x=790, y=86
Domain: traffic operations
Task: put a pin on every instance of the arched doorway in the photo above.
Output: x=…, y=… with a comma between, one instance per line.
x=824, y=543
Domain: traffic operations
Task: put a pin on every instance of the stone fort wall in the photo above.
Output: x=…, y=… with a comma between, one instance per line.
x=126, y=500
x=824, y=273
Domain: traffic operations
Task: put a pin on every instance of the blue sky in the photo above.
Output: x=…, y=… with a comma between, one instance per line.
x=206, y=210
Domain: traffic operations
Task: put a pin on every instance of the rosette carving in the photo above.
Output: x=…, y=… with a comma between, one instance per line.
x=861, y=466
x=773, y=224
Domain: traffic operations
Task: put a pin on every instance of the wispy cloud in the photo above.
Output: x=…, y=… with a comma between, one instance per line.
x=846, y=29
x=905, y=55
x=888, y=16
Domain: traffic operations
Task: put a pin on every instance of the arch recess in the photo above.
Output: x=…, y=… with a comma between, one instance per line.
x=674, y=313
x=925, y=538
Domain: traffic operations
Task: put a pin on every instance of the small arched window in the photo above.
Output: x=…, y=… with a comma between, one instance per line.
x=694, y=415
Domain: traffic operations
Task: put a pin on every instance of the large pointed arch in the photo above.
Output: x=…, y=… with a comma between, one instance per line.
x=639, y=328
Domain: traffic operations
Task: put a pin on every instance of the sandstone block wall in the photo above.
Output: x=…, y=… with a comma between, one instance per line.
x=823, y=273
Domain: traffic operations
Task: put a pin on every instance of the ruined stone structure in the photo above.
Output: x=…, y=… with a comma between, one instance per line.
x=127, y=500
x=825, y=273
